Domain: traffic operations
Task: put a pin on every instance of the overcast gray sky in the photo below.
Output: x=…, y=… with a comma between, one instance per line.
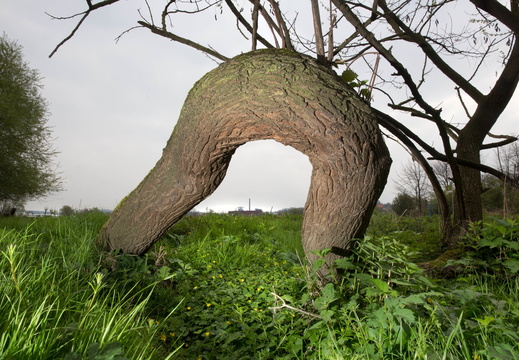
x=113, y=106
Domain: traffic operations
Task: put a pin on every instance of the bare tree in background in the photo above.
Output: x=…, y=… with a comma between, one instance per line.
x=444, y=175
x=507, y=159
x=407, y=49
x=413, y=181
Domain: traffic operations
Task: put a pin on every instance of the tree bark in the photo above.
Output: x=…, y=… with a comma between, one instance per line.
x=267, y=94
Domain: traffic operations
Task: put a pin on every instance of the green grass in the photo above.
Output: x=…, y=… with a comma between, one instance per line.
x=221, y=287
x=56, y=302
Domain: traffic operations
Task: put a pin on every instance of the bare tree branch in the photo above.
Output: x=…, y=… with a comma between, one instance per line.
x=406, y=136
x=83, y=18
x=507, y=140
x=182, y=40
x=494, y=103
x=255, y=24
x=500, y=12
x=404, y=73
x=284, y=33
x=319, y=43
x=332, y=20
x=431, y=53
x=244, y=22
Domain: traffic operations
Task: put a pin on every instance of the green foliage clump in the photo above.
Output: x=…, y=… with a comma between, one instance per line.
x=352, y=79
x=492, y=249
x=25, y=151
x=422, y=234
x=403, y=204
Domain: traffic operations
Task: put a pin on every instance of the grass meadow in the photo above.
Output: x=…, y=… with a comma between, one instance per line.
x=222, y=287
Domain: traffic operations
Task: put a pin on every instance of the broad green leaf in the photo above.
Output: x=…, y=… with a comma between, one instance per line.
x=413, y=299
x=349, y=75
x=343, y=264
x=381, y=317
x=406, y=315
x=328, y=293
x=365, y=92
x=491, y=243
x=317, y=264
x=287, y=298
x=381, y=285
x=512, y=265
x=365, y=278
x=327, y=315
x=486, y=320
x=512, y=244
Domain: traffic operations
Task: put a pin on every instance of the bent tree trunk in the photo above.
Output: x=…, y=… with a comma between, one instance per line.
x=267, y=94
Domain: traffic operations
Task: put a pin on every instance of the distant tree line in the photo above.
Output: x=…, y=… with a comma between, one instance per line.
x=67, y=210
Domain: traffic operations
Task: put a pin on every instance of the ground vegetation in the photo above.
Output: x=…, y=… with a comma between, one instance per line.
x=217, y=286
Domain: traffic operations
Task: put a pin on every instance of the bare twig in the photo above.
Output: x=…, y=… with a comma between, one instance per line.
x=371, y=84
x=83, y=18
x=431, y=53
x=244, y=22
x=457, y=88
x=285, y=305
x=333, y=19
x=500, y=12
x=70, y=35
x=182, y=40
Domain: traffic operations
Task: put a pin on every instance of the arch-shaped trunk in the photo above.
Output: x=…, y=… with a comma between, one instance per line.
x=268, y=94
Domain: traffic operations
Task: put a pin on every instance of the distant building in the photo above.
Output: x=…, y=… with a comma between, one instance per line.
x=384, y=207
x=242, y=212
x=36, y=213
